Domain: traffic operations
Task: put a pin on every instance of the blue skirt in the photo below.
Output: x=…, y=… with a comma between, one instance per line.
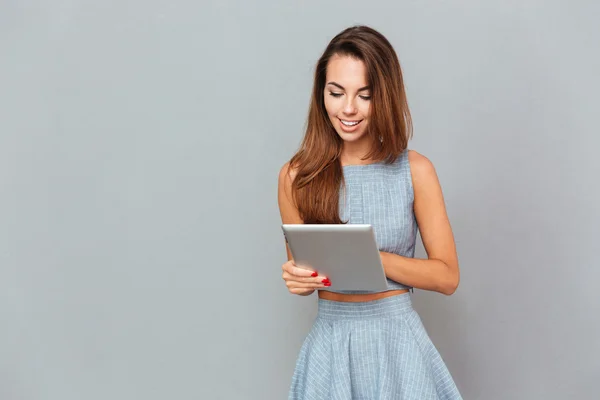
x=376, y=350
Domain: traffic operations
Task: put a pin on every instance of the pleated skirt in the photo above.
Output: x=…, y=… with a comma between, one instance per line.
x=376, y=350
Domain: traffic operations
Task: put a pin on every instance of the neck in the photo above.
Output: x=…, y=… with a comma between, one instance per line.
x=354, y=152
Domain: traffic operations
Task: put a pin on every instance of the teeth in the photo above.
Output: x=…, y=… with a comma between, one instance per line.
x=349, y=123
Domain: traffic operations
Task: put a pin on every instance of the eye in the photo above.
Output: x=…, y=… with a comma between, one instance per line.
x=335, y=94
x=365, y=97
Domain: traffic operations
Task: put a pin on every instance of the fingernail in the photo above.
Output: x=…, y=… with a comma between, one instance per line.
x=314, y=274
x=328, y=284
x=326, y=280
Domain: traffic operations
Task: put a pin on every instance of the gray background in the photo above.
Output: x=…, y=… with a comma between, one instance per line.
x=140, y=143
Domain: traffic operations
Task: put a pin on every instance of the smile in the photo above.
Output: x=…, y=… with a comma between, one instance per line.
x=350, y=123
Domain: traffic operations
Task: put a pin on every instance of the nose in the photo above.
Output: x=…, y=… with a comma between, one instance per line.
x=349, y=107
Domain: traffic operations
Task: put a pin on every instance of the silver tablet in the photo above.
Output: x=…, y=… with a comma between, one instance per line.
x=347, y=254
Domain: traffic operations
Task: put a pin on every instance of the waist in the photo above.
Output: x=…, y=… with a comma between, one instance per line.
x=387, y=307
x=356, y=298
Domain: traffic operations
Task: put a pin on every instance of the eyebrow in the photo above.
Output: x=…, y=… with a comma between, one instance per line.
x=341, y=87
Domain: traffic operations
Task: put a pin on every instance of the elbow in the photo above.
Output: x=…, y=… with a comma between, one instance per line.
x=449, y=290
x=451, y=284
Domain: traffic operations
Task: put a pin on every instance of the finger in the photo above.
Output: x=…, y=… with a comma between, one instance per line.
x=303, y=272
x=301, y=291
x=291, y=268
x=304, y=285
x=318, y=279
x=288, y=264
x=291, y=281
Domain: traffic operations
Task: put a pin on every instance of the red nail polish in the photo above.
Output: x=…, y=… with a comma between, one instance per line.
x=314, y=274
x=325, y=280
x=328, y=284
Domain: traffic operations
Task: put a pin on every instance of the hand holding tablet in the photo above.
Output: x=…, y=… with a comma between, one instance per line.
x=347, y=254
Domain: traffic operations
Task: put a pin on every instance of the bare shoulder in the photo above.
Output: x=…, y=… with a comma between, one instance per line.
x=287, y=207
x=421, y=168
x=287, y=174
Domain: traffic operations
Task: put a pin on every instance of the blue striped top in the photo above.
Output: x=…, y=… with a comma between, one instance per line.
x=382, y=195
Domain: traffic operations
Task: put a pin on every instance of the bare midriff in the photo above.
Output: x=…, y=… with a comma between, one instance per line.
x=355, y=298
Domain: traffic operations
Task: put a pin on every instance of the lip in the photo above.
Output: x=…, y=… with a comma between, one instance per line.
x=349, y=129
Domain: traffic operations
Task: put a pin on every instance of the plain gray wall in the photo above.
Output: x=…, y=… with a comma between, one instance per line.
x=140, y=143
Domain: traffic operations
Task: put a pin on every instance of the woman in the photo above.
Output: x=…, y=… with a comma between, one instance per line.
x=354, y=167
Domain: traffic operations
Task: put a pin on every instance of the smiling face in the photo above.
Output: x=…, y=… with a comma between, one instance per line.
x=348, y=98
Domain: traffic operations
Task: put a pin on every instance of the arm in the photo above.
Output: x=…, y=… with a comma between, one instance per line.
x=439, y=272
x=287, y=209
x=299, y=281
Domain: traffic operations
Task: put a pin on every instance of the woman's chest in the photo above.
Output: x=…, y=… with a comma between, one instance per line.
x=387, y=207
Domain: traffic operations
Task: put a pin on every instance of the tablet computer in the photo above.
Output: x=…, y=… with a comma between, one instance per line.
x=346, y=253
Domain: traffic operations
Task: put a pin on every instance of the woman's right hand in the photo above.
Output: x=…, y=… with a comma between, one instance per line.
x=302, y=281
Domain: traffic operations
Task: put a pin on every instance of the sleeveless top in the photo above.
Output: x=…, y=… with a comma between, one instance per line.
x=382, y=195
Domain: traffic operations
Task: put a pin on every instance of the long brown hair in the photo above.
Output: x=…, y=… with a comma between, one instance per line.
x=319, y=174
